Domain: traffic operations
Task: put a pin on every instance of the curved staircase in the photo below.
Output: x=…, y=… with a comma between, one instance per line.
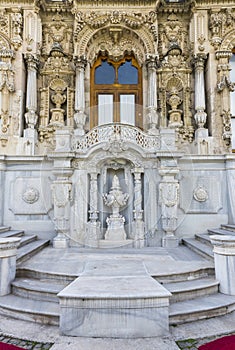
x=195, y=292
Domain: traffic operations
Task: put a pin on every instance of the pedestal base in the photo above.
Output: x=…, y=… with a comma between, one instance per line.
x=115, y=231
x=60, y=242
x=170, y=242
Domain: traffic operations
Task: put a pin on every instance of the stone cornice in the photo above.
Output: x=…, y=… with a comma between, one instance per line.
x=219, y=4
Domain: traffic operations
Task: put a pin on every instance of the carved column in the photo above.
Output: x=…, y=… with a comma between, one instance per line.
x=93, y=226
x=31, y=116
x=152, y=115
x=224, y=87
x=168, y=198
x=138, y=223
x=62, y=188
x=62, y=196
x=200, y=104
x=80, y=116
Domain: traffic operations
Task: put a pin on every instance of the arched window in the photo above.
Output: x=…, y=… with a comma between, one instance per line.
x=232, y=97
x=116, y=92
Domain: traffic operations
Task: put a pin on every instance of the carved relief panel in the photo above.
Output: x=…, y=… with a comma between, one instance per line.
x=175, y=74
x=56, y=94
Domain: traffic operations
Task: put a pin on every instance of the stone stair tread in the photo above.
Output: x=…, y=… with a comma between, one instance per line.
x=228, y=227
x=203, y=304
x=11, y=233
x=31, y=248
x=191, y=285
x=204, y=237
x=39, y=285
x=220, y=231
x=199, y=246
x=4, y=228
x=24, y=305
x=27, y=239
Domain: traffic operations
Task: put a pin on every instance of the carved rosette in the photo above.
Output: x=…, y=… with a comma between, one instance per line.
x=200, y=194
x=30, y=195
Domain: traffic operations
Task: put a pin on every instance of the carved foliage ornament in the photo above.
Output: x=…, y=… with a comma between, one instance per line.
x=220, y=23
x=134, y=21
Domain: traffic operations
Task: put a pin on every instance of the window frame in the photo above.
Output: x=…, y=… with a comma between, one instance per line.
x=116, y=90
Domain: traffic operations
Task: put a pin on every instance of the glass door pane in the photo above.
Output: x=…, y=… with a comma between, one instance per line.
x=127, y=109
x=105, y=109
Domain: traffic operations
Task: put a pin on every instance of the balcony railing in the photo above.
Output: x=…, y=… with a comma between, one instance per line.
x=116, y=132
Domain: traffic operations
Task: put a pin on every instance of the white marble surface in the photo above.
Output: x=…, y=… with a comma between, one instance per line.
x=224, y=255
x=8, y=250
x=114, y=299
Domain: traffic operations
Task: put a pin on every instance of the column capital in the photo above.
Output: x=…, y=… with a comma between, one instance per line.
x=223, y=54
x=32, y=61
x=80, y=62
x=199, y=60
x=151, y=61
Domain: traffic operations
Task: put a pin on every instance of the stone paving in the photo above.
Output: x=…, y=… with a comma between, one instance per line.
x=25, y=344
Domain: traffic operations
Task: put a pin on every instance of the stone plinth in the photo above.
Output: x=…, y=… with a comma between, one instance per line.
x=8, y=250
x=105, y=303
x=224, y=253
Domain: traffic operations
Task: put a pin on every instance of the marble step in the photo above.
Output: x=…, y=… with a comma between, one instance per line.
x=189, y=274
x=35, y=289
x=25, y=272
x=27, y=251
x=11, y=233
x=199, y=247
x=4, y=228
x=29, y=310
x=204, y=238
x=27, y=239
x=219, y=231
x=188, y=290
x=201, y=308
x=228, y=227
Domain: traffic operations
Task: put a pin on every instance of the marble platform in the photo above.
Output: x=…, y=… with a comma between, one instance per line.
x=117, y=299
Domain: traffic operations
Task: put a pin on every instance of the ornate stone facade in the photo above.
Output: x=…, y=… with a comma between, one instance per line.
x=71, y=130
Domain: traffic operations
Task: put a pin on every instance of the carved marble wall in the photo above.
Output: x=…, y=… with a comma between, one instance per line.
x=47, y=50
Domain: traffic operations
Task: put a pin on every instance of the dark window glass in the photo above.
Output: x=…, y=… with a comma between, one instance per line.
x=105, y=74
x=127, y=74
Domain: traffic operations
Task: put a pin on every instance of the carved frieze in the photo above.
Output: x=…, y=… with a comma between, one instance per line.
x=57, y=30
x=220, y=23
x=133, y=20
